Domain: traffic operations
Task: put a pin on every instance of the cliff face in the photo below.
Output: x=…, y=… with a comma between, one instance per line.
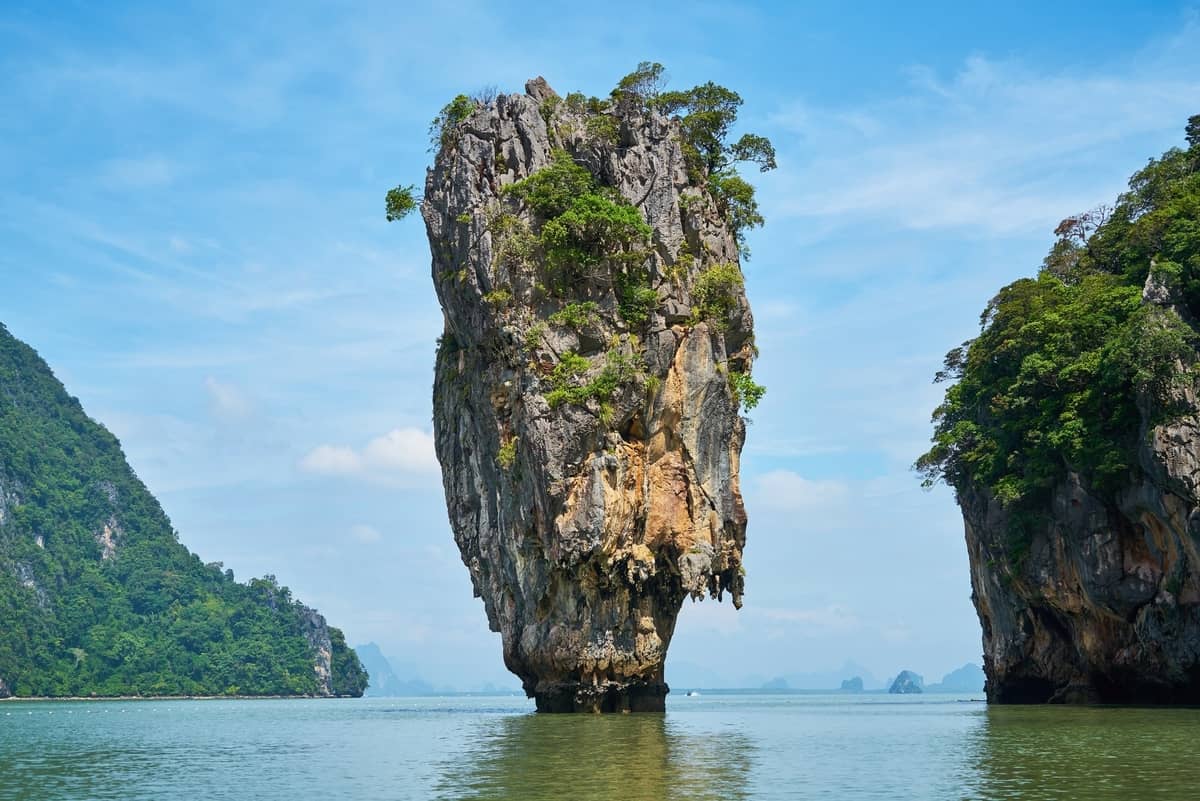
x=586, y=421
x=97, y=595
x=1104, y=604
x=1071, y=436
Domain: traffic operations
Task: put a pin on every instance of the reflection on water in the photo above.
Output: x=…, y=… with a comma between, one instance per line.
x=1093, y=753
x=598, y=758
x=721, y=746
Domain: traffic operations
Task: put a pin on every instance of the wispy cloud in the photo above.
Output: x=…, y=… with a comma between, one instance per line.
x=402, y=455
x=227, y=401
x=789, y=491
x=994, y=147
x=365, y=534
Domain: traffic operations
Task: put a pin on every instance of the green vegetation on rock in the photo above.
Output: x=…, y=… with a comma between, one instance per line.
x=567, y=384
x=746, y=391
x=714, y=294
x=585, y=226
x=576, y=315
x=442, y=129
x=98, y=597
x=1054, y=381
x=400, y=202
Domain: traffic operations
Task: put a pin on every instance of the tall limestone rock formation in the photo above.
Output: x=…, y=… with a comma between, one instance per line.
x=586, y=397
x=1072, y=440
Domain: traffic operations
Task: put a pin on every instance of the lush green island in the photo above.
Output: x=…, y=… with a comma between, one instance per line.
x=1071, y=436
x=97, y=595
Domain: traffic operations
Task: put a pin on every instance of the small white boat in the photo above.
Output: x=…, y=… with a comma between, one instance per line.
x=692, y=693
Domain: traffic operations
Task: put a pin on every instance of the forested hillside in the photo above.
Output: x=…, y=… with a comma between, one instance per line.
x=97, y=595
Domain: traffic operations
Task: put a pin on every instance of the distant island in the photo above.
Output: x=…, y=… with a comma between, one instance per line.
x=384, y=683
x=907, y=683
x=98, y=596
x=854, y=678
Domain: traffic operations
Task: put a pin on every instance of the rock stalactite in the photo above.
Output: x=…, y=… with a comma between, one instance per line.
x=586, y=408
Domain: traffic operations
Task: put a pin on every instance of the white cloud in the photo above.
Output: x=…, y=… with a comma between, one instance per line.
x=332, y=459
x=365, y=534
x=408, y=450
x=402, y=453
x=227, y=401
x=786, y=490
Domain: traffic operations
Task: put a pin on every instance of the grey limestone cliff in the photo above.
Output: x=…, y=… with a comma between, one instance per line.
x=1105, y=604
x=589, y=455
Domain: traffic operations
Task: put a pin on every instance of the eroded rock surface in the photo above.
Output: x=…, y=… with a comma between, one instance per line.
x=1103, y=602
x=584, y=524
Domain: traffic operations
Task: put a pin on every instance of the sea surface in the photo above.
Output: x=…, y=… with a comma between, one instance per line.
x=714, y=746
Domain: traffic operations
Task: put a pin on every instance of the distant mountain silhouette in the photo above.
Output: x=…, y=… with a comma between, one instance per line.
x=825, y=680
x=967, y=679
x=384, y=682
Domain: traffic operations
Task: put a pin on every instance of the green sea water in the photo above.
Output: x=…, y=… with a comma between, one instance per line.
x=709, y=747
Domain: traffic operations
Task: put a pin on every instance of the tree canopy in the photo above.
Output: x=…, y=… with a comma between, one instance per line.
x=1054, y=379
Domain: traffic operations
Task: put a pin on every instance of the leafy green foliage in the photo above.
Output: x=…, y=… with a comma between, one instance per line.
x=400, y=202
x=507, y=456
x=347, y=674
x=567, y=385
x=498, y=297
x=707, y=115
x=1053, y=381
x=576, y=315
x=746, y=392
x=152, y=618
x=597, y=228
x=636, y=299
x=708, y=112
x=553, y=189
x=644, y=83
x=735, y=197
x=603, y=127
x=513, y=244
x=533, y=336
x=756, y=149
x=586, y=225
x=443, y=128
x=715, y=294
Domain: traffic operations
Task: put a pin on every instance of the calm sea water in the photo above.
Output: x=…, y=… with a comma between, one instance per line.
x=711, y=747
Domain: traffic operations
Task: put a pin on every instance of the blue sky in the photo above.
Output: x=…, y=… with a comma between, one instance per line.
x=193, y=236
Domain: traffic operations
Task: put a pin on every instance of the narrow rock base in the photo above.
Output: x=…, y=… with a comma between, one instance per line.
x=612, y=697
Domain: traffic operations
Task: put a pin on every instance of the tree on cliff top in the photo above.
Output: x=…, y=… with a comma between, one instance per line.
x=1053, y=380
x=707, y=114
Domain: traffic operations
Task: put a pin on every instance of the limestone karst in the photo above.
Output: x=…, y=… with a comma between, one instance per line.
x=597, y=347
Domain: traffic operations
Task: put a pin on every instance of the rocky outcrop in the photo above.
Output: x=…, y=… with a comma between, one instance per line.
x=907, y=683
x=585, y=522
x=1101, y=601
x=316, y=631
x=854, y=685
